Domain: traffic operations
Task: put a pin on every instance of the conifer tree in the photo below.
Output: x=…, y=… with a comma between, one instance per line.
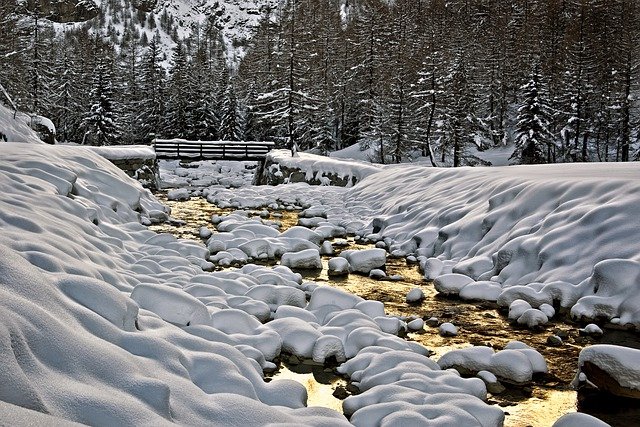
x=533, y=139
x=100, y=123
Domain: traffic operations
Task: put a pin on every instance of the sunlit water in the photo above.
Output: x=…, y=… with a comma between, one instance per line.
x=478, y=323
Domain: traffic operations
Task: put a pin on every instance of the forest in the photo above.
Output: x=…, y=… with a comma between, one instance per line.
x=556, y=80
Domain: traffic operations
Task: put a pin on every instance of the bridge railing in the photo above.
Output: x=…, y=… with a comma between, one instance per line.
x=211, y=150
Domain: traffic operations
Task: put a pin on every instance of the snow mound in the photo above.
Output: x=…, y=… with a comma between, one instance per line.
x=74, y=259
x=517, y=363
x=518, y=225
x=319, y=167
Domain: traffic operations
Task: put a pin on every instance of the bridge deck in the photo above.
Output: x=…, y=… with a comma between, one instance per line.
x=211, y=150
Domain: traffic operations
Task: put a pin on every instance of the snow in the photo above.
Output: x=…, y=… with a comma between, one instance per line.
x=306, y=259
x=124, y=152
x=320, y=166
x=592, y=329
x=400, y=381
x=72, y=251
x=448, y=329
x=578, y=419
x=528, y=220
x=415, y=295
x=121, y=317
x=18, y=129
x=621, y=363
x=517, y=363
x=363, y=261
x=338, y=267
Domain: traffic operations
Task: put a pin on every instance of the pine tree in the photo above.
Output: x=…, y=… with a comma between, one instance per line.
x=100, y=123
x=175, y=125
x=533, y=139
x=152, y=86
x=230, y=127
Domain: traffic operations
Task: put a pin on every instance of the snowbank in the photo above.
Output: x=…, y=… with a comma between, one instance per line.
x=123, y=152
x=282, y=167
x=543, y=227
x=76, y=345
x=18, y=129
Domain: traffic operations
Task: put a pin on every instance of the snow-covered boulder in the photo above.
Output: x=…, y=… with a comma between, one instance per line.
x=307, y=259
x=414, y=295
x=452, y=283
x=338, y=266
x=363, y=261
x=517, y=363
x=612, y=368
x=448, y=330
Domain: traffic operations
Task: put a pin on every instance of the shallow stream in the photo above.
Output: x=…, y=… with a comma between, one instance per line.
x=479, y=323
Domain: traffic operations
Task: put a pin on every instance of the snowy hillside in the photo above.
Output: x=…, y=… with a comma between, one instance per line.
x=569, y=234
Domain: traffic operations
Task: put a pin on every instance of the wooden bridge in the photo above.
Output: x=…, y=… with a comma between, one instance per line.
x=211, y=150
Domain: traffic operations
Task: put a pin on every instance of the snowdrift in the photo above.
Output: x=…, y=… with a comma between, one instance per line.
x=75, y=345
x=566, y=234
x=16, y=130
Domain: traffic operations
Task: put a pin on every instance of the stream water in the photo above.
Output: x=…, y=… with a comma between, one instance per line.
x=539, y=404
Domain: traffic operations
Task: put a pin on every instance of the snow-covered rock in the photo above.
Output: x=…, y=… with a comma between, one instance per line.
x=579, y=419
x=452, y=283
x=517, y=363
x=363, y=261
x=612, y=368
x=306, y=259
x=338, y=267
x=448, y=330
x=414, y=295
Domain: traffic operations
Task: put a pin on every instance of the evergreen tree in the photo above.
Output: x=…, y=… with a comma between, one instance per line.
x=152, y=86
x=532, y=137
x=100, y=123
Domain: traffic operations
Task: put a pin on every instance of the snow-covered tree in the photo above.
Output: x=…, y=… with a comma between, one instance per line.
x=100, y=123
x=532, y=136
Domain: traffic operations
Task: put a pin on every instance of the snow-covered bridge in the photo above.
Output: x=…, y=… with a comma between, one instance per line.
x=211, y=150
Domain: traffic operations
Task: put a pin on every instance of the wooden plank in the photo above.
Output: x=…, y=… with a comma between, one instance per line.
x=212, y=150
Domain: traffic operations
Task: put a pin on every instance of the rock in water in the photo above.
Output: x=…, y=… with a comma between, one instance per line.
x=612, y=368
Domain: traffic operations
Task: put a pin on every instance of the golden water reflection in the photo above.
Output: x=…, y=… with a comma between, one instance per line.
x=320, y=384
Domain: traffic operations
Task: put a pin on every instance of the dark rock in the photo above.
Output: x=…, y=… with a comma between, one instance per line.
x=144, y=5
x=340, y=393
x=605, y=382
x=495, y=388
x=353, y=389
x=554, y=341
x=65, y=10
x=433, y=322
